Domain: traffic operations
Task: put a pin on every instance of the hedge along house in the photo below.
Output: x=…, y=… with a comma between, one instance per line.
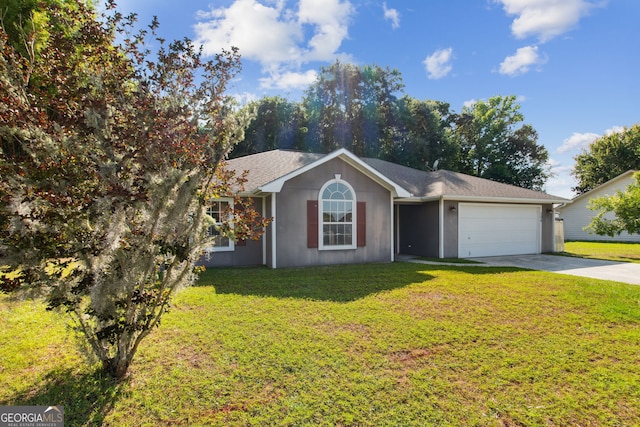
x=339, y=208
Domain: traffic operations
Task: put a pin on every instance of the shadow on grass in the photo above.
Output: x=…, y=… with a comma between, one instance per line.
x=342, y=283
x=86, y=398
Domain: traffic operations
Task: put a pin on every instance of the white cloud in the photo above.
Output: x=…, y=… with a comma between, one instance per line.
x=545, y=19
x=261, y=33
x=614, y=129
x=289, y=80
x=470, y=103
x=280, y=38
x=577, y=141
x=330, y=20
x=521, y=61
x=561, y=181
x=244, y=98
x=392, y=15
x=438, y=64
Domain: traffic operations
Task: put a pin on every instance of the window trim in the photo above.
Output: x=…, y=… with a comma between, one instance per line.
x=354, y=216
x=232, y=244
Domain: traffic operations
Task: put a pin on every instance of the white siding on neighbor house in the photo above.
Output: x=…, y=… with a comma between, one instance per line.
x=577, y=215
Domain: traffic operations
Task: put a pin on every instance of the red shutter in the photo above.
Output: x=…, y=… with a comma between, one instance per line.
x=361, y=226
x=312, y=223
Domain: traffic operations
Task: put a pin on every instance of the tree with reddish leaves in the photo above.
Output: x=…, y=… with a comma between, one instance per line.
x=109, y=158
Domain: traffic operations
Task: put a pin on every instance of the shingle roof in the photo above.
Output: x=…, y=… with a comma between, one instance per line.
x=268, y=166
x=446, y=183
x=271, y=165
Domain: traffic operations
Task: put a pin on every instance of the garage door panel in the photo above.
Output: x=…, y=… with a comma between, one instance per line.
x=492, y=230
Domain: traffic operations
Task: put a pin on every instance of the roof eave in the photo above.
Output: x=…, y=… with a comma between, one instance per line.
x=484, y=199
x=498, y=199
x=623, y=175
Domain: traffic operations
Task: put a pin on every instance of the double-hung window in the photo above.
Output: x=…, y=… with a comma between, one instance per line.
x=220, y=210
x=337, y=216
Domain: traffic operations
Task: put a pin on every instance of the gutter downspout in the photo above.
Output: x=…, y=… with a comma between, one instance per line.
x=441, y=228
x=264, y=235
x=274, y=224
x=391, y=225
x=397, y=222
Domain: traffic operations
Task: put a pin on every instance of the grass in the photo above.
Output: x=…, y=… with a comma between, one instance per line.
x=369, y=345
x=612, y=251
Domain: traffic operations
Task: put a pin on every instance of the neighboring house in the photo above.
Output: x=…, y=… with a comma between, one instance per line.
x=576, y=215
x=339, y=208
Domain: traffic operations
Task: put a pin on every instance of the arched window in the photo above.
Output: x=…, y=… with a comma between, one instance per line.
x=337, y=210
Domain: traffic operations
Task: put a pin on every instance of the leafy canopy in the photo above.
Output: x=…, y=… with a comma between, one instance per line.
x=361, y=108
x=110, y=157
x=606, y=158
x=494, y=144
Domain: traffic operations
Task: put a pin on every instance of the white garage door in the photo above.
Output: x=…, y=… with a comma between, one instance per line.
x=493, y=229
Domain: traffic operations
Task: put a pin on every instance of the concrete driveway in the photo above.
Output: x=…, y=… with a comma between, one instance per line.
x=626, y=272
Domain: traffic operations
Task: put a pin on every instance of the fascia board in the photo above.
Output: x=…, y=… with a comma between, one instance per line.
x=480, y=199
x=525, y=200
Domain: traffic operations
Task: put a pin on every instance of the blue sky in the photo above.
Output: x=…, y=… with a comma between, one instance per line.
x=573, y=64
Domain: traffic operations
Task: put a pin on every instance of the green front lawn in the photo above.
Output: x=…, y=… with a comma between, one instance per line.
x=628, y=252
x=369, y=345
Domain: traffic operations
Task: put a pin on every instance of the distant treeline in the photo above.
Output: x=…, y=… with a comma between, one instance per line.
x=364, y=109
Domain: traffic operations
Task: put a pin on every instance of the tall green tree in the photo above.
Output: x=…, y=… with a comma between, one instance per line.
x=424, y=138
x=28, y=27
x=625, y=207
x=109, y=160
x=351, y=106
x=279, y=123
x=606, y=158
x=495, y=144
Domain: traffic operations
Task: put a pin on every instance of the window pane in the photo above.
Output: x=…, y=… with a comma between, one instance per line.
x=218, y=210
x=348, y=234
x=326, y=235
x=348, y=212
x=221, y=242
x=337, y=215
x=337, y=234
